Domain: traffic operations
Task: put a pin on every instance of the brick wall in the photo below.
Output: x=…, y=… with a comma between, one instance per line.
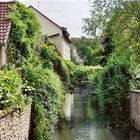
x=15, y=125
x=135, y=108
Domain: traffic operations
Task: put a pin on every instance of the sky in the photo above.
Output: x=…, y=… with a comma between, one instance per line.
x=66, y=13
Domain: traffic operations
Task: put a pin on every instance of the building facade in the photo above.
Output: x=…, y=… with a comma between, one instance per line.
x=57, y=35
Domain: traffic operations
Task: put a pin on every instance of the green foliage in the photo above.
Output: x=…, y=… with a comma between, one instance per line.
x=89, y=50
x=113, y=86
x=101, y=12
x=108, y=48
x=135, y=84
x=120, y=55
x=40, y=131
x=50, y=93
x=48, y=55
x=24, y=33
x=52, y=60
x=124, y=27
x=63, y=71
x=38, y=118
x=72, y=72
x=80, y=73
x=87, y=72
x=10, y=90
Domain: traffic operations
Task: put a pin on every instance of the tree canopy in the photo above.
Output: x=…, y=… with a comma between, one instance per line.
x=88, y=49
x=101, y=12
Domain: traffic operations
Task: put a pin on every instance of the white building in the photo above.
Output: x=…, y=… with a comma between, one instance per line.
x=57, y=35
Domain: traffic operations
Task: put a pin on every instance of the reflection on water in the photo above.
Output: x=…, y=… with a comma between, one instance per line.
x=68, y=107
x=81, y=123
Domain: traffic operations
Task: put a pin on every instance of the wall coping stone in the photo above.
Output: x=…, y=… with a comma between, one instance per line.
x=6, y=113
x=135, y=91
x=10, y=111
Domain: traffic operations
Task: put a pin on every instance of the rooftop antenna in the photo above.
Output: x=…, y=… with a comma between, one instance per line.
x=38, y=4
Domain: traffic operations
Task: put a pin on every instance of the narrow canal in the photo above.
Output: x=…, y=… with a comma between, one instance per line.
x=82, y=122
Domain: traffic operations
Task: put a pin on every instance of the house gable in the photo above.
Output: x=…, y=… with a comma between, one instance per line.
x=57, y=35
x=48, y=27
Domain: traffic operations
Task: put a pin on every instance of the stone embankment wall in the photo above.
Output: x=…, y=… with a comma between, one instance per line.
x=135, y=108
x=15, y=125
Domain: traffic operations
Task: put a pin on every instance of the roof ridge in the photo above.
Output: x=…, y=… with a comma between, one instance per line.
x=64, y=29
x=4, y=22
x=44, y=15
x=5, y=2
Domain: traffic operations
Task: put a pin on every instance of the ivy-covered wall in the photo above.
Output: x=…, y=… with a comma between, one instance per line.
x=39, y=75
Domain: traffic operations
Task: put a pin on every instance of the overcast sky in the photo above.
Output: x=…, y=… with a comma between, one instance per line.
x=67, y=13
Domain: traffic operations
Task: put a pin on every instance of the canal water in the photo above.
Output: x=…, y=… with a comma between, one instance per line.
x=82, y=122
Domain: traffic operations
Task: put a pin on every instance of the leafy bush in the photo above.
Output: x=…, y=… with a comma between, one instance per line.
x=51, y=59
x=89, y=50
x=80, y=73
x=48, y=55
x=113, y=87
x=38, y=68
x=38, y=121
x=46, y=86
x=49, y=91
x=10, y=90
x=87, y=72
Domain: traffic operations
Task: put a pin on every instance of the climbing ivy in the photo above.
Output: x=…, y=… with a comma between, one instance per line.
x=24, y=33
x=50, y=94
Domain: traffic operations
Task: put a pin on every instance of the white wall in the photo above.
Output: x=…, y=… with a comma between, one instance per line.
x=47, y=27
x=62, y=45
x=3, y=56
x=66, y=50
x=0, y=56
x=57, y=41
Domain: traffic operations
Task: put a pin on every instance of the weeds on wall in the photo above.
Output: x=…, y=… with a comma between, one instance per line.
x=11, y=90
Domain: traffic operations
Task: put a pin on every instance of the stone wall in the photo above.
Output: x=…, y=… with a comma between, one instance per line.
x=135, y=108
x=15, y=125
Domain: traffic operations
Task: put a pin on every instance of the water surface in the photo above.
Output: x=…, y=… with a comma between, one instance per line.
x=82, y=122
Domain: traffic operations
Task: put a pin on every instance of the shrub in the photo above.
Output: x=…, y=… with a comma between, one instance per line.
x=48, y=56
x=53, y=60
x=38, y=121
x=113, y=88
x=10, y=90
x=87, y=72
x=50, y=93
x=80, y=73
x=89, y=50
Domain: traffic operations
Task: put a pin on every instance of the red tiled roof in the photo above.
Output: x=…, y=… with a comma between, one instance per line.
x=4, y=23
